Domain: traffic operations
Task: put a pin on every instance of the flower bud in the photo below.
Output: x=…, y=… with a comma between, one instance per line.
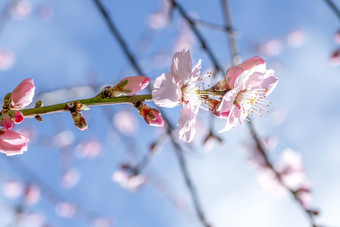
x=7, y=122
x=79, y=121
x=23, y=94
x=130, y=85
x=12, y=143
x=154, y=118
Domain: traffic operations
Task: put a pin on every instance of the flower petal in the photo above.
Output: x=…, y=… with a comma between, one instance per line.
x=23, y=94
x=181, y=66
x=227, y=101
x=187, y=122
x=167, y=92
x=231, y=121
x=12, y=143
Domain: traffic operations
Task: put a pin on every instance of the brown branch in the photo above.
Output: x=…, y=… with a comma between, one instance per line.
x=254, y=134
x=333, y=7
x=204, y=44
x=178, y=148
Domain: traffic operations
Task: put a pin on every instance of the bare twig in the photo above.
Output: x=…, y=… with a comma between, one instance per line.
x=50, y=194
x=199, y=36
x=254, y=134
x=335, y=9
x=178, y=148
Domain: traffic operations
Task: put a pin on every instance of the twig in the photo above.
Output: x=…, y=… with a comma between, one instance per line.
x=178, y=148
x=254, y=134
x=335, y=9
x=199, y=36
x=52, y=195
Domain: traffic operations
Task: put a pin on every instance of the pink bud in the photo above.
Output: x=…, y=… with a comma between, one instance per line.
x=132, y=85
x=154, y=118
x=7, y=122
x=12, y=143
x=23, y=94
x=18, y=117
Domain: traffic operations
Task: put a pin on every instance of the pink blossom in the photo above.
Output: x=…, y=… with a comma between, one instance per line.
x=335, y=58
x=7, y=122
x=12, y=142
x=21, y=9
x=7, y=59
x=23, y=94
x=179, y=86
x=337, y=37
x=251, y=82
x=128, y=180
x=296, y=38
x=131, y=85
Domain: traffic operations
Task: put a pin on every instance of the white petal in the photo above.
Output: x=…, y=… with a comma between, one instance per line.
x=167, y=92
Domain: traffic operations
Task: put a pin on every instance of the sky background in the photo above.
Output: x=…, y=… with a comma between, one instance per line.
x=65, y=44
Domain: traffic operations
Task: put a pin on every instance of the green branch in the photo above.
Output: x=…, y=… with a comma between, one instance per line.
x=95, y=101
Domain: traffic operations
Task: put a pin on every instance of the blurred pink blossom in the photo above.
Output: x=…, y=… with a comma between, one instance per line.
x=296, y=38
x=126, y=122
x=46, y=12
x=337, y=37
x=102, y=222
x=32, y=194
x=64, y=138
x=271, y=48
x=185, y=38
x=335, y=58
x=70, y=178
x=12, y=189
x=65, y=210
x=88, y=149
x=128, y=180
x=31, y=220
x=159, y=19
x=7, y=59
x=21, y=9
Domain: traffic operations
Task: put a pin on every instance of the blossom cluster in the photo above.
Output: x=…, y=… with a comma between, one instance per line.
x=239, y=94
x=12, y=142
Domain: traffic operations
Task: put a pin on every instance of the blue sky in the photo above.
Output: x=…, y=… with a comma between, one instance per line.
x=75, y=48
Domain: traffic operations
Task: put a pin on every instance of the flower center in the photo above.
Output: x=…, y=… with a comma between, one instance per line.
x=252, y=102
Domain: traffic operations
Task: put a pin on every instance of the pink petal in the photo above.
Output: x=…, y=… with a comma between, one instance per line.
x=196, y=71
x=7, y=123
x=228, y=101
x=181, y=66
x=135, y=84
x=12, y=143
x=269, y=82
x=167, y=92
x=18, y=117
x=23, y=94
x=232, y=120
x=187, y=122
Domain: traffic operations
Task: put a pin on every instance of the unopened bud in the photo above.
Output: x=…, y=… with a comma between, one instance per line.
x=39, y=103
x=39, y=118
x=130, y=85
x=151, y=115
x=79, y=121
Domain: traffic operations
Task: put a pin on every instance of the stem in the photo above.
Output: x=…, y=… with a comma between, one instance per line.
x=95, y=101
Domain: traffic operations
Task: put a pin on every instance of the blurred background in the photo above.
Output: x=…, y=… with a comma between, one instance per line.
x=73, y=178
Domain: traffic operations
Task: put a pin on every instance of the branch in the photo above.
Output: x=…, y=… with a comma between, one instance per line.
x=333, y=7
x=199, y=36
x=254, y=134
x=95, y=101
x=178, y=148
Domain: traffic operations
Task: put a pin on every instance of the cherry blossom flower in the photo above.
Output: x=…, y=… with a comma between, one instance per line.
x=177, y=87
x=251, y=82
x=12, y=189
x=12, y=142
x=23, y=94
x=7, y=59
x=65, y=209
x=32, y=194
x=70, y=178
